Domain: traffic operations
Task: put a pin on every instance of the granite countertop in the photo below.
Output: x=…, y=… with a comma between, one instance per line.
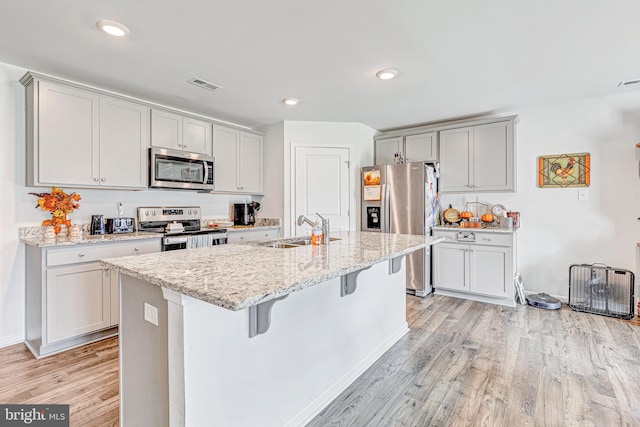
x=35, y=237
x=476, y=230
x=237, y=276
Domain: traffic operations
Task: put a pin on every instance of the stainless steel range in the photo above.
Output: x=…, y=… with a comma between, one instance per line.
x=181, y=227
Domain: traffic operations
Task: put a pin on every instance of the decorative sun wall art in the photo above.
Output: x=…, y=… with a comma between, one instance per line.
x=564, y=170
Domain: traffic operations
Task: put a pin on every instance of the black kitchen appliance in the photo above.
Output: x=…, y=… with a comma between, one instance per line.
x=180, y=226
x=245, y=213
x=120, y=225
x=97, y=225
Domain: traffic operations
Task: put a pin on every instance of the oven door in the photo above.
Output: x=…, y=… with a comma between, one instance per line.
x=180, y=170
x=172, y=243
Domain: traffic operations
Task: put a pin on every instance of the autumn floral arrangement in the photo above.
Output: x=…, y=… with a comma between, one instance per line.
x=59, y=204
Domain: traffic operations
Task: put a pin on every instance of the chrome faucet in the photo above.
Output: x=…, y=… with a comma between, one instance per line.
x=325, y=229
x=303, y=218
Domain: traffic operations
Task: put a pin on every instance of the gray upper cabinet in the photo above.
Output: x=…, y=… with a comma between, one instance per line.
x=478, y=158
x=386, y=149
x=238, y=161
x=456, y=151
x=124, y=139
x=86, y=137
x=474, y=155
x=179, y=132
x=81, y=138
x=421, y=147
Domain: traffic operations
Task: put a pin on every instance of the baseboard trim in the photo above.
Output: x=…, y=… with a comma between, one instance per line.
x=333, y=391
x=11, y=340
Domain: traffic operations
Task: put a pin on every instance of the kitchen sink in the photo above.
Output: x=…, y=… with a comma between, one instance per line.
x=280, y=245
x=305, y=242
x=292, y=243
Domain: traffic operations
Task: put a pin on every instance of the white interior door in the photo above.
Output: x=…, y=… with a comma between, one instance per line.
x=321, y=185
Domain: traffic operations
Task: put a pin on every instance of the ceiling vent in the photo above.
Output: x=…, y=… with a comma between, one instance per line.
x=204, y=84
x=628, y=83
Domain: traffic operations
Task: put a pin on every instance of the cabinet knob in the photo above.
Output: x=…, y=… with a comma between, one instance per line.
x=103, y=179
x=80, y=254
x=136, y=249
x=241, y=237
x=185, y=145
x=96, y=179
x=179, y=145
x=488, y=239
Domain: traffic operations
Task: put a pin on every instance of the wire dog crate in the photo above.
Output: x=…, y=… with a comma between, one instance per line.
x=600, y=289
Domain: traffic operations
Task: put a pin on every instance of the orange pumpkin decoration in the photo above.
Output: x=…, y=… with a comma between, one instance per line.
x=466, y=215
x=487, y=217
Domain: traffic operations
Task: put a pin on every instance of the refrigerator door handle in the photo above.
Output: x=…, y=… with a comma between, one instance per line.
x=389, y=213
x=383, y=208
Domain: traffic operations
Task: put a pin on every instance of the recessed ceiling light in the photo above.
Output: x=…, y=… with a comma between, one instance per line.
x=291, y=101
x=387, y=73
x=113, y=28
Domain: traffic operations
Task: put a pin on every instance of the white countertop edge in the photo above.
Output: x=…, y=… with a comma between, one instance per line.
x=43, y=242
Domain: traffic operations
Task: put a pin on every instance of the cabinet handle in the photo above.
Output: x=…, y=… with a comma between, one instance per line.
x=103, y=179
x=488, y=239
x=80, y=254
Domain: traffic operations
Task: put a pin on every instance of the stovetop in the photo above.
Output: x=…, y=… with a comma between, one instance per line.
x=157, y=220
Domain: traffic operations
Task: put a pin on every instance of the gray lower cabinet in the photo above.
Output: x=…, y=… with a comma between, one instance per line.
x=475, y=265
x=254, y=235
x=71, y=298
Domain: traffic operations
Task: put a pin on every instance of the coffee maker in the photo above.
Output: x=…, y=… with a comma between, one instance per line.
x=245, y=213
x=97, y=225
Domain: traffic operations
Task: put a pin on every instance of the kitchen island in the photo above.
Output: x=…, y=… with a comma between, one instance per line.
x=254, y=334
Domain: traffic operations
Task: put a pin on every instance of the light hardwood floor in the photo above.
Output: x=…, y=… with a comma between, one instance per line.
x=462, y=364
x=471, y=364
x=86, y=378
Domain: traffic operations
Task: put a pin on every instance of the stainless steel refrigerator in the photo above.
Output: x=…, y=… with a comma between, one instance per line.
x=403, y=198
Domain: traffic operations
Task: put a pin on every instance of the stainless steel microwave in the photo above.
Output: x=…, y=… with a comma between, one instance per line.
x=180, y=170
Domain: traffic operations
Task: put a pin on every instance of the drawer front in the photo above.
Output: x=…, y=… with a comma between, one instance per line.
x=252, y=235
x=450, y=236
x=494, y=239
x=98, y=251
x=467, y=236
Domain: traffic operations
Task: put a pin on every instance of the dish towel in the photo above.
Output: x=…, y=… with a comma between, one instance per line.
x=199, y=241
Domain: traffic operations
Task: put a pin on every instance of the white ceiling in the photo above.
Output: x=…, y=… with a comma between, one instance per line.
x=456, y=58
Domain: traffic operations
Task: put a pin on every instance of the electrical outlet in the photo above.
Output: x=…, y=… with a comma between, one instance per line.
x=151, y=314
x=583, y=195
